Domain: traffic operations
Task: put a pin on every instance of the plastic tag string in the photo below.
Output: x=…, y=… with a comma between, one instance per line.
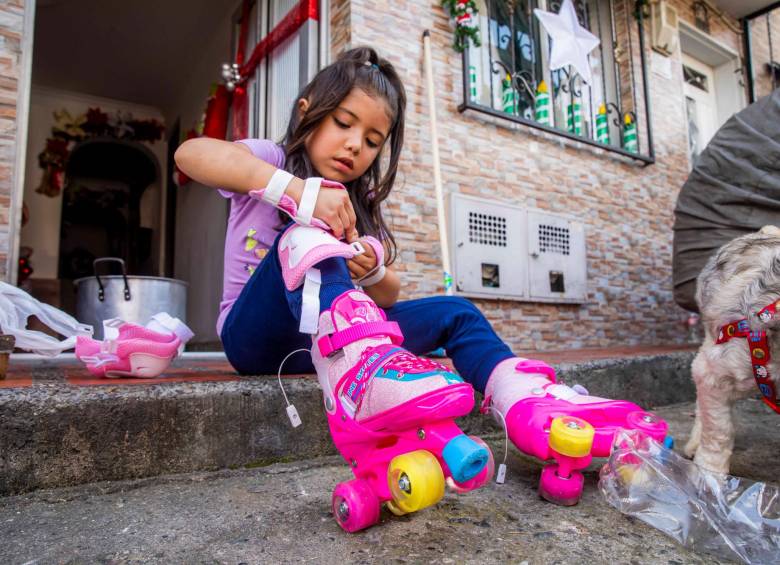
x=501, y=474
x=292, y=413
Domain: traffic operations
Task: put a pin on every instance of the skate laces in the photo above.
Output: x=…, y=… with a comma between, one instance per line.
x=292, y=412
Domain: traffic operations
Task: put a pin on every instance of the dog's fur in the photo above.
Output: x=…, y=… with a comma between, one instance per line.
x=739, y=280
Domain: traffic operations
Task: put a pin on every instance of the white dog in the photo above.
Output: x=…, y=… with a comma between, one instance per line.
x=738, y=283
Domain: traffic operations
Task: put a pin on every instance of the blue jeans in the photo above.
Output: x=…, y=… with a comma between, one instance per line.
x=262, y=327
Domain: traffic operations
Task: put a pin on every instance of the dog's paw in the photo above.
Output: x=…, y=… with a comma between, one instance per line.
x=713, y=462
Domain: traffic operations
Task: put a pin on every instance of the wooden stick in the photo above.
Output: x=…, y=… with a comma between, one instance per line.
x=443, y=235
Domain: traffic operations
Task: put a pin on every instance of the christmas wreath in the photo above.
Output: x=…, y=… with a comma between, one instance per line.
x=464, y=12
x=68, y=131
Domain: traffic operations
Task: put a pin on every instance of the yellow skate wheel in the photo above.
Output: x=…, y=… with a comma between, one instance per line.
x=416, y=481
x=571, y=436
x=394, y=509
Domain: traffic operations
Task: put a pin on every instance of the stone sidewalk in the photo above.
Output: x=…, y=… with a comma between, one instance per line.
x=280, y=513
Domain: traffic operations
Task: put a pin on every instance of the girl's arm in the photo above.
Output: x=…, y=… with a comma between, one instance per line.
x=385, y=292
x=228, y=165
x=233, y=167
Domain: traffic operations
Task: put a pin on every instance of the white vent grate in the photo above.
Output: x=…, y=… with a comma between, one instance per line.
x=490, y=242
x=487, y=229
x=553, y=239
x=557, y=270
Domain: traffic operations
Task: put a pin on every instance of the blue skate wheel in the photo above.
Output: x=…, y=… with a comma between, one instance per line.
x=669, y=442
x=464, y=457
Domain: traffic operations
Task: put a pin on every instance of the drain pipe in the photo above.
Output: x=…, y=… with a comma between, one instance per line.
x=443, y=235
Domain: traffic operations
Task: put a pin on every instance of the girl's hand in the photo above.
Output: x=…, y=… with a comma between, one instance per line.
x=335, y=209
x=361, y=265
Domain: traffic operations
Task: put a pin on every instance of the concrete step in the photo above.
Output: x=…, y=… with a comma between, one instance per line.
x=59, y=428
x=281, y=514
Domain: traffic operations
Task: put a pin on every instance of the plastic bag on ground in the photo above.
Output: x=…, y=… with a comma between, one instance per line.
x=16, y=306
x=720, y=515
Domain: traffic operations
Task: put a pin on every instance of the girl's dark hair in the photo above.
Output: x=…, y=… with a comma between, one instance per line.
x=357, y=68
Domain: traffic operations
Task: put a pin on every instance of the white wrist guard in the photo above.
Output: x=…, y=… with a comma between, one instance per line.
x=373, y=276
x=301, y=213
x=377, y=273
x=276, y=186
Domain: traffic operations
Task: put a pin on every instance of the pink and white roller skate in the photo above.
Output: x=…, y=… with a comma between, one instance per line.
x=391, y=415
x=553, y=421
x=130, y=350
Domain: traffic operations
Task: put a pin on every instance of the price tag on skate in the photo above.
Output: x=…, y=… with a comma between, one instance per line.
x=292, y=413
x=501, y=474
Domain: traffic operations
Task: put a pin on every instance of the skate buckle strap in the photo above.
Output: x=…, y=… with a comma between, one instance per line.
x=487, y=402
x=536, y=366
x=330, y=343
x=758, y=347
x=353, y=385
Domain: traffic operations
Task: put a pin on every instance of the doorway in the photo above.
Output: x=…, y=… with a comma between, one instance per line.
x=713, y=87
x=700, y=105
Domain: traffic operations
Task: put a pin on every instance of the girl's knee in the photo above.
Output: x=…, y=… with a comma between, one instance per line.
x=457, y=306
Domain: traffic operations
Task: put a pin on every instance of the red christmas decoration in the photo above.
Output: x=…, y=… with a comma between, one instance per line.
x=179, y=177
x=217, y=110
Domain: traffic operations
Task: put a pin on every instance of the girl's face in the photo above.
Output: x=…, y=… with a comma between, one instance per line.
x=348, y=140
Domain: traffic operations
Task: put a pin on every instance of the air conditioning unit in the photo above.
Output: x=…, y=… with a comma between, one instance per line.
x=663, y=27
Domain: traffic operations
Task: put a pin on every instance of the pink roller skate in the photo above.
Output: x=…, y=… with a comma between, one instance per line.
x=390, y=413
x=391, y=416
x=553, y=421
x=130, y=350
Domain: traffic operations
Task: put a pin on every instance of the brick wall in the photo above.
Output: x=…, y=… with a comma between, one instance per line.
x=764, y=31
x=627, y=208
x=11, y=28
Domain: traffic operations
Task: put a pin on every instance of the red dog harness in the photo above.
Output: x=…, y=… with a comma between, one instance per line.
x=759, y=351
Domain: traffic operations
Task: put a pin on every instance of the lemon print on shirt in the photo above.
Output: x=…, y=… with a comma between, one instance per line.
x=251, y=246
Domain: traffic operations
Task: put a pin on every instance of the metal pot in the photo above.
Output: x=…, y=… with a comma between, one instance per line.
x=132, y=298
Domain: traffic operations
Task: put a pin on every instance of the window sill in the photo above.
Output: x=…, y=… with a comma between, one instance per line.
x=645, y=159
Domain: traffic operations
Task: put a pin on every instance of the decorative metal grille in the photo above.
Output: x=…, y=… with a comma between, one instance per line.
x=508, y=76
x=487, y=229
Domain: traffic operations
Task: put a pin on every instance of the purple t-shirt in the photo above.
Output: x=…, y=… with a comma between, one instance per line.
x=251, y=230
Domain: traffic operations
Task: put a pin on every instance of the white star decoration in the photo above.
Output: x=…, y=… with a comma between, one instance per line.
x=571, y=42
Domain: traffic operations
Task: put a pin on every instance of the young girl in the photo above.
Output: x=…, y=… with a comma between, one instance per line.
x=347, y=126
x=350, y=114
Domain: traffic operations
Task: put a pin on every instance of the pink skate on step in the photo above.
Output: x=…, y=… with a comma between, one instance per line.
x=130, y=350
x=553, y=421
x=391, y=416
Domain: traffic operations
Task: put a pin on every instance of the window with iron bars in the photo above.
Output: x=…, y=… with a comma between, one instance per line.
x=508, y=75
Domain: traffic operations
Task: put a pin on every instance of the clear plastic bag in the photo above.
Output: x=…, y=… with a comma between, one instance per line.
x=716, y=514
x=16, y=306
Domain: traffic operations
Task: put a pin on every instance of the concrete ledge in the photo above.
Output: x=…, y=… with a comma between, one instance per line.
x=281, y=514
x=56, y=435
